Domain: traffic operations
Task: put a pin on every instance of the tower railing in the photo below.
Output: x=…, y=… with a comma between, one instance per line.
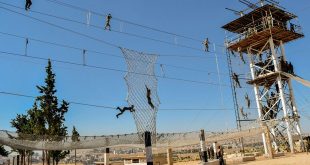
x=265, y=23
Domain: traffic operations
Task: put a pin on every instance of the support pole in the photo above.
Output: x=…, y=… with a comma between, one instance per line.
x=296, y=115
x=257, y=99
x=17, y=160
x=282, y=96
x=107, y=156
x=148, y=148
x=13, y=160
x=204, y=157
x=169, y=156
x=266, y=130
x=75, y=157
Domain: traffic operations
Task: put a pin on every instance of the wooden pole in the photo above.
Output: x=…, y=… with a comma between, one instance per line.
x=169, y=156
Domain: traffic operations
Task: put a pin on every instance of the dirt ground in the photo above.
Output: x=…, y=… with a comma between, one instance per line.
x=297, y=159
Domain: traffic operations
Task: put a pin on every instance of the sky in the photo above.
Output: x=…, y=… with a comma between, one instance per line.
x=196, y=19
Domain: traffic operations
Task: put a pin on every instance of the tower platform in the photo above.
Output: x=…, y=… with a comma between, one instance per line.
x=268, y=79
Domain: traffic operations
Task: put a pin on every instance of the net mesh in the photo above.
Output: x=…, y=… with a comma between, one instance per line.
x=163, y=140
x=142, y=89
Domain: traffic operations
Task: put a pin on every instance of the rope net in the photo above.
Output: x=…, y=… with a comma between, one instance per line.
x=142, y=89
x=163, y=140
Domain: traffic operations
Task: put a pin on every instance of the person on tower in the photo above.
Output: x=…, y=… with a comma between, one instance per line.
x=107, y=22
x=28, y=4
x=122, y=110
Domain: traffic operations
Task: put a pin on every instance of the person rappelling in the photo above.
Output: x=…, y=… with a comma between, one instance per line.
x=148, y=96
x=245, y=116
x=247, y=99
x=28, y=4
x=206, y=44
x=122, y=110
x=235, y=77
x=107, y=22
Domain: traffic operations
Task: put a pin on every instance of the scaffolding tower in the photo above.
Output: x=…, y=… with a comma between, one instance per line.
x=261, y=34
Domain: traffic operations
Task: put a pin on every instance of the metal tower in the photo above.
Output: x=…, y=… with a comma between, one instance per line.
x=261, y=34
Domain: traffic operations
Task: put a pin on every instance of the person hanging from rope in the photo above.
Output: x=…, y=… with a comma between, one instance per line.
x=247, y=99
x=122, y=110
x=241, y=57
x=107, y=22
x=235, y=77
x=245, y=116
x=206, y=44
x=148, y=96
x=28, y=4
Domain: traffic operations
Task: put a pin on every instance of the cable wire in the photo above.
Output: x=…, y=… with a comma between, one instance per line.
x=102, y=53
x=125, y=21
x=111, y=107
x=101, y=28
x=109, y=69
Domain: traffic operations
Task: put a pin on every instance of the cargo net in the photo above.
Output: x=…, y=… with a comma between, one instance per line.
x=163, y=140
x=245, y=103
x=41, y=142
x=142, y=89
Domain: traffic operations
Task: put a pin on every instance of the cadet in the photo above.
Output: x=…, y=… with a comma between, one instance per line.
x=248, y=101
x=28, y=4
x=107, y=22
x=236, y=80
x=122, y=110
x=206, y=44
x=148, y=96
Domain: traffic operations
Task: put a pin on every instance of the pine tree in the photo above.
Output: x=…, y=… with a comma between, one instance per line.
x=54, y=116
x=46, y=119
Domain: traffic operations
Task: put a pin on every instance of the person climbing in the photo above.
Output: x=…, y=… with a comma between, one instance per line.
x=148, y=96
x=241, y=57
x=235, y=77
x=245, y=116
x=206, y=44
x=28, y=4
x=247, y=99
x=107, y=22
x=122, y=110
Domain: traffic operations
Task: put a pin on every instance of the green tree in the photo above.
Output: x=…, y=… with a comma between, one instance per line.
x=3, y=151
x=54, y=115
x=45, y=119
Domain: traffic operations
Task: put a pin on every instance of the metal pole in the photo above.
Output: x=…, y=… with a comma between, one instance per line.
x=283, y=102
x=257, y=99
x=169, y=156
x=106, y=156
x=148, y=148
x=75, y=156
x=294, y=105
x=204, y=155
